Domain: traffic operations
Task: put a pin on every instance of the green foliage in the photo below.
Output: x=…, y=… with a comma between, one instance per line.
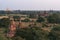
x=54, y=18
x=25, y=20
x=4, y=22
x=32, y=33
x=18, y=38
x=40, y=19
x=32, y=16
x=44, y=25
x=51, y=19
x=16, y=18
x=55, y=33
x=2, y=34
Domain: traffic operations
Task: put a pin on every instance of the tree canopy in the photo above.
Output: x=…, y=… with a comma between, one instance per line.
x=55, y=33
x=54, y=18
x=40, y=19
x=4, y=22
x=32, y=33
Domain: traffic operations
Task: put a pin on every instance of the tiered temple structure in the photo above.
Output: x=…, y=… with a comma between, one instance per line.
x=14, y=24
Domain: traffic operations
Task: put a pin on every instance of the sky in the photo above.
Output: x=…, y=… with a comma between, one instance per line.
x=30, y=4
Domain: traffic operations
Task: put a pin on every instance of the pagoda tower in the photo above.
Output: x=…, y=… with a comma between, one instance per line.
x=12, y=27
x=14, y=24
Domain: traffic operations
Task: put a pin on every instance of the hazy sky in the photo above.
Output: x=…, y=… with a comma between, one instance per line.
x=30, y=4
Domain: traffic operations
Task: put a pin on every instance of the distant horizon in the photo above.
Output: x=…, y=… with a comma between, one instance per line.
x=28, y=10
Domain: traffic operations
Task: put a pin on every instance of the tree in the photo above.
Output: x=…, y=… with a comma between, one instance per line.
x=44, y=25
x=54, y=18
x=16, y=18
x=18, y=38
x=51, y=19
x=32, y=33
x=26, y=20
x=40, y=19
x=4, y=22
x=55, y=33
x=32, y=15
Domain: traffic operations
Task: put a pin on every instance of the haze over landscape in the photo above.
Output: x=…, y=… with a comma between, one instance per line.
x=29, y=19
x=30, y=4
